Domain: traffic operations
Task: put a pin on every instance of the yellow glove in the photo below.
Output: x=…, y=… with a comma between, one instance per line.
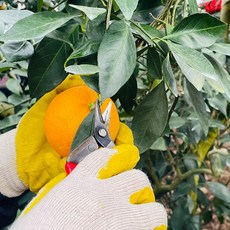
x=35, y=162
x=102, y=192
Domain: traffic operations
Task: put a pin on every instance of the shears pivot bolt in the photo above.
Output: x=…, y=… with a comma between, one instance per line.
x=102, y=132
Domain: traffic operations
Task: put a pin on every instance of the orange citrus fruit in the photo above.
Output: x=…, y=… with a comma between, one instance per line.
x=66, y=112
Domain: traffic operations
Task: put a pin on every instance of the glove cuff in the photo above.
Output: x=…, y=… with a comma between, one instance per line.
x=11, y=185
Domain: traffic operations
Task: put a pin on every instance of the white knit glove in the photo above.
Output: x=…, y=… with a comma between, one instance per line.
x=10, y=184
x=82, y=201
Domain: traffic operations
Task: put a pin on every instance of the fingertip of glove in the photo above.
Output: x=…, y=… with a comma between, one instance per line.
x=145, y=195
x=125, y=158
x=125, y=135
x=161, y=227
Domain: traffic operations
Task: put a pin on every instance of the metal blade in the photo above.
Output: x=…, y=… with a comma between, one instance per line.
x=106, y=114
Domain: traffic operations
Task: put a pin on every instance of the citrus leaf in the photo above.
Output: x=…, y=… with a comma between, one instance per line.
x=197, y=31
x=9, y=122
x=83, y=69
x=194, y=59
x=199, y=106
x=137, y=29
x=222, y=48
x=151, y=31
x=116, y=58
x=193, y=6
x=195, y=77
x=5, y=66
x=39, y=5
x=3, y=97
x=218, y=102
x=84, y=49
x=17, y=51
x=223, y=76
x=91, y=12
x=127, y=7
x=159, y=144
x=10, y=17
x=176, y=122
x=154, y=64
x=51, y=55
x=83, y=132
x=127, y=94
x=14, y=86
x=60, y=36
x=220, y=191
x=92, y=81
x=150, y=118
x=169, y=76
x=35, y=26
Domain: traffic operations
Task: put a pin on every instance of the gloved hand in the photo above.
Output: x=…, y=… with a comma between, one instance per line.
x=26, y=158
x=97, y=195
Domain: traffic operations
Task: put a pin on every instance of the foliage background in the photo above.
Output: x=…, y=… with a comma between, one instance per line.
x=164, y=63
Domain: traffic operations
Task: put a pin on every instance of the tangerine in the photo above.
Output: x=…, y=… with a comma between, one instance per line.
x=66, y=112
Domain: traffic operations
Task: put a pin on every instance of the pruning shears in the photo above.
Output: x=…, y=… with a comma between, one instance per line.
x=99, y=138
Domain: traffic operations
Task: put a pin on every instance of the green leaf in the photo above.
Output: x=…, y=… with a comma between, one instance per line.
x=9, y=122
x=6, y=109
x=223, y=76
x=154, y=64
x=3, y=97
x=197, y=31
x=51, y=55
x=190, y=161
x=181, y=190
x=169, y=76
x=127, y=94
x=2, y=28
x=91, y=12
x=36, y=26
x=218, y=163
x=192, y=61
x=116, y=58
x=15, y=99
x=151, y=31
x=150, y=118
x=194, y=222
x=5, y=66
x=146, y=10
x=220, y=191
x=193, y=6
x=195, y=77
x=219, y=103
x=222, y=48
x=190, y=204
x=137, y=29
x=92, y=81
x=182, y=137
x=225, y=139
x=10, y=17
x=127, y=7
x=14, y=86
x=159, y=144
x=179, y=217
x=17, y=51
x=83, y=69
x=95, y=29
x=175, y=122
x=60, y=36
x=84, y=49
x=199, y=106
x=84, y=131
x=115, y=6
x=39, y=5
